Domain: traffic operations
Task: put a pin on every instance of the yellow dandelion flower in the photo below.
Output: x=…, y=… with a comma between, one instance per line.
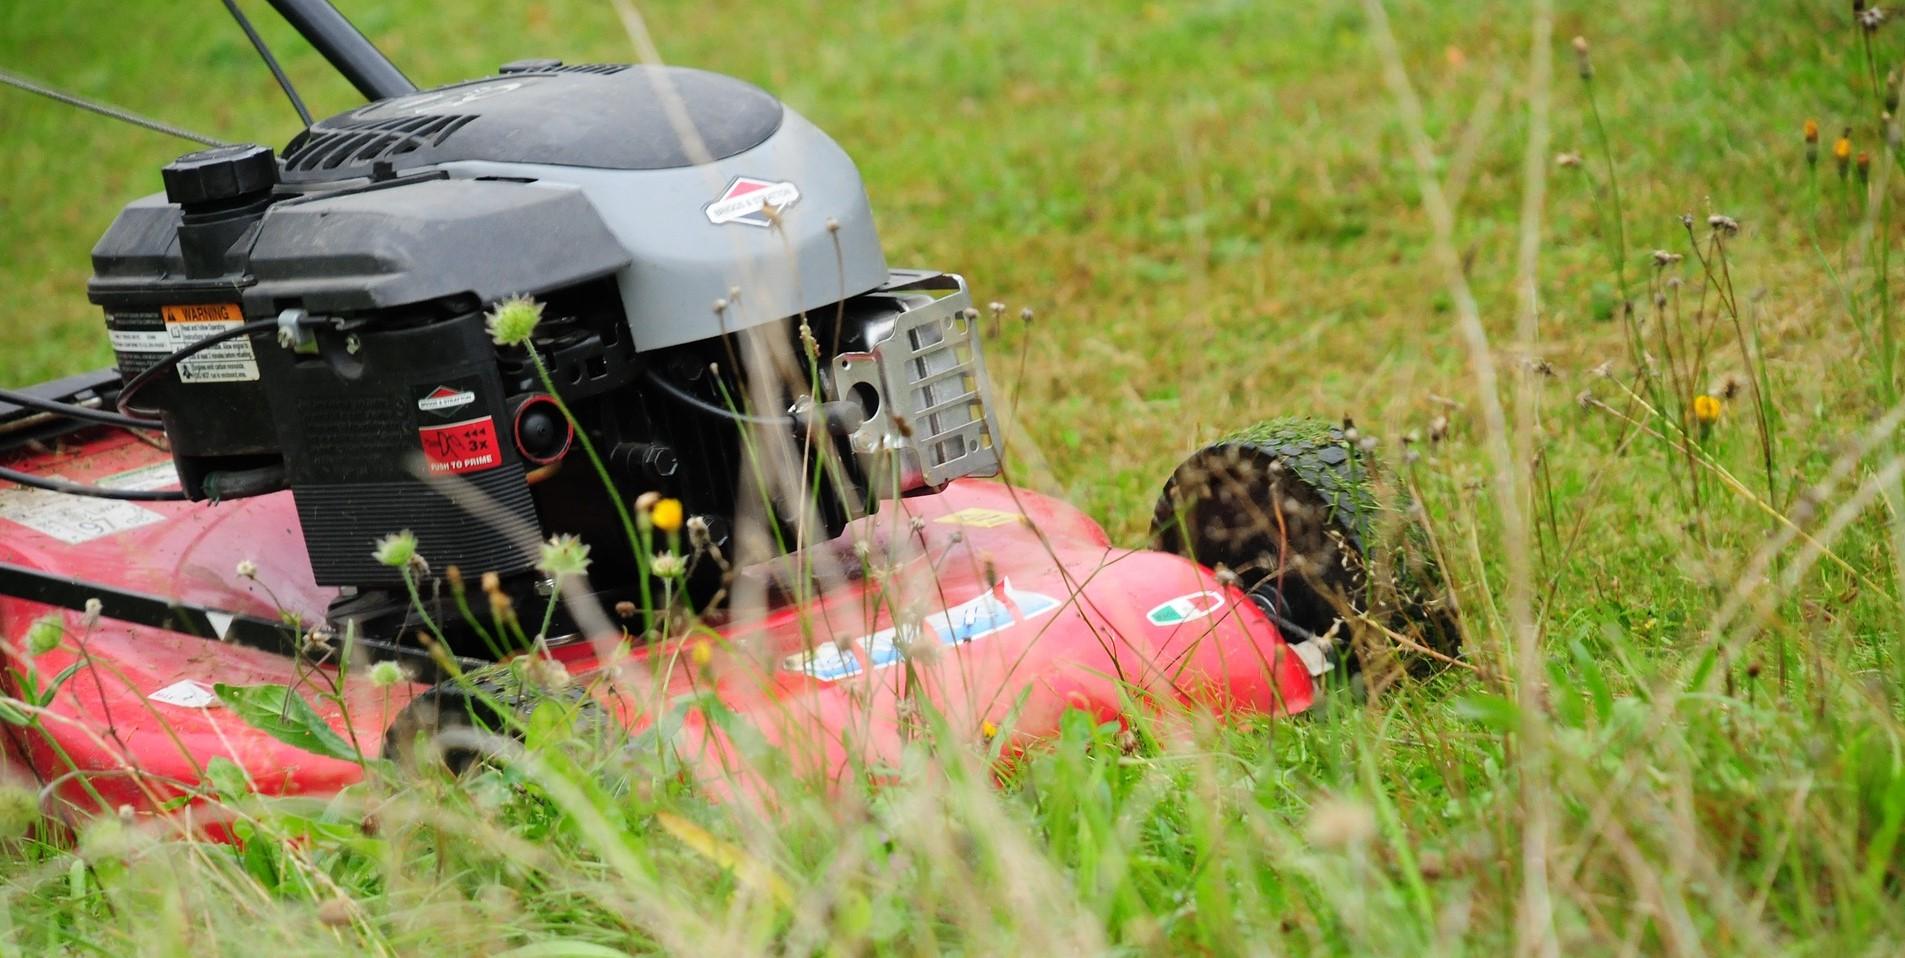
x=666, y=514
x=1812, y=130
x=1706, y=409
x=701, y=653
x=988, y=729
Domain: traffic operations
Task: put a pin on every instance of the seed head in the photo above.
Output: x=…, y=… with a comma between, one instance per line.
x=316, y=644
x=1728, y=386
x=668, y=565
x=334, y=912
x=386, y=674
x=1871, y=19
x=19, y=810
x=44, y=634
x=1864, y=166
x=104, y=839
x=624, y=609
x=397, y=550
x=1725, y=225
x=1567, y=161
x=1338, y=824
x=1664, y=259
x=564, y=555
x=247, y=569
x=1581, y=63
x=514, y=320
x=542, y=672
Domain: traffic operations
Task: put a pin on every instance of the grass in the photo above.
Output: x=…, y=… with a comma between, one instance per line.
x=1217, y=213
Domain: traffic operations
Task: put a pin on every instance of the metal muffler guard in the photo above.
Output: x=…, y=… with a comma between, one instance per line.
x=935, y=402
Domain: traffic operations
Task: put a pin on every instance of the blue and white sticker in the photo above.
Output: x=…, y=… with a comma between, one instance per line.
x=827, y=662
x=1185, y=608
x=976, y=618
x=987, y=614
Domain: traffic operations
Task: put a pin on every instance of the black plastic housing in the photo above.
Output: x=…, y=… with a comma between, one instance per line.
x=371, y=418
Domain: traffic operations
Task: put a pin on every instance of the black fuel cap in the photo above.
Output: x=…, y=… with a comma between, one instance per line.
x=220, y=175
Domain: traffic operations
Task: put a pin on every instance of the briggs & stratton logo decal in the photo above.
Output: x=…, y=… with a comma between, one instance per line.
x=746, y=201
x=444, y=400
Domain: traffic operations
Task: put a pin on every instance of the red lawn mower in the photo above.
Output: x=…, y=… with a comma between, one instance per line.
x=371, y=391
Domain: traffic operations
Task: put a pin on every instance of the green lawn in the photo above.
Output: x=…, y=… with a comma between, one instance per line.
x=1213, y=209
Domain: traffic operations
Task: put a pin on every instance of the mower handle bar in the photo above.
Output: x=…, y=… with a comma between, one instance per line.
x=349, y=51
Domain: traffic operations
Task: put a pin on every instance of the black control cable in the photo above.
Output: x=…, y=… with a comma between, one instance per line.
x=92, y=492
x=271, y=62
x=105, y=109
x=75, y=411
x=839, y=418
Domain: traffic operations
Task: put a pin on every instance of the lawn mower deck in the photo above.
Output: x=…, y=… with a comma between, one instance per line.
x=1011, y=608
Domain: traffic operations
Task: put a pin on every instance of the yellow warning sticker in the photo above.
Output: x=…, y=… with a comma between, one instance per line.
x=230, y=361
x=202, y=313
x=980, y=518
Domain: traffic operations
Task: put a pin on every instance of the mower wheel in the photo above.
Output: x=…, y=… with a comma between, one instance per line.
x=1292, y=508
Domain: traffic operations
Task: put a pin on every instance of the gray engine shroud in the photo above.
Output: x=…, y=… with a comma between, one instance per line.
x=558, y=173
x=362, y=265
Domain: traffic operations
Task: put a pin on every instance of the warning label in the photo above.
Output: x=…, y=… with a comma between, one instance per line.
x=231, y=361
x=460, y=447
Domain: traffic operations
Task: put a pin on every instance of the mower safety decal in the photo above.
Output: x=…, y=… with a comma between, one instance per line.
x=72, y=519
x=460, y=447
x=746, y=201
x=231, y=361
x=1185, y=608
x=976, y=618
x=186, y=694
x=980, y=518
